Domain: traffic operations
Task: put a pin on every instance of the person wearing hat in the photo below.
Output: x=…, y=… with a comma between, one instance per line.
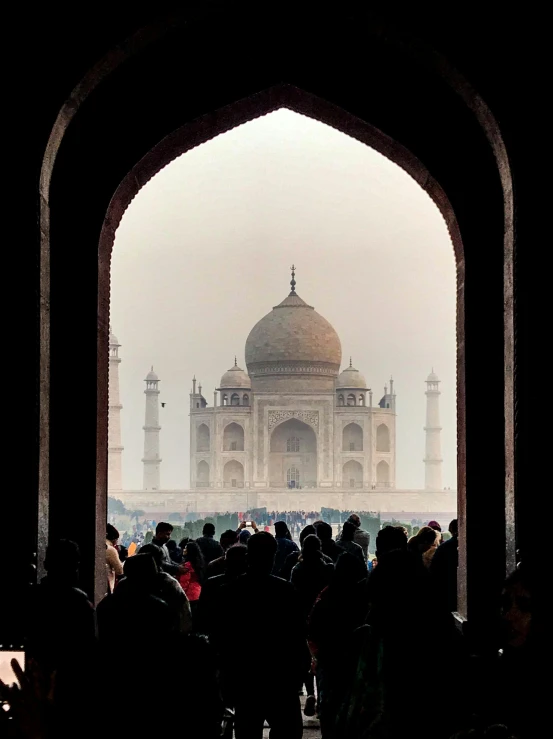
x=285, y=546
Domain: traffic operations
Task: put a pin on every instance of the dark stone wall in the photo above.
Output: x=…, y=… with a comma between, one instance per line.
x=214, y=55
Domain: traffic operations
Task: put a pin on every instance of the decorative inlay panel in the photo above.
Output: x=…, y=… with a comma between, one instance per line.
x=309, y=417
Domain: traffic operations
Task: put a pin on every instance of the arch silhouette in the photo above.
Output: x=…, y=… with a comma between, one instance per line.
x=203, y=438
x=382, y=438
x=352, y=474
x=352, y=438
x=233, y=438
x=101, y=74
x=202, y=474
x=383, y=473
x=233, y=474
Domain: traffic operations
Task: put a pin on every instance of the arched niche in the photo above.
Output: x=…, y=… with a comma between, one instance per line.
x=203, y=438
x=352, y=438
x=352, y=474
x=233, y=438
x=202, y=474
x=233, y=474
x=293, y=444
x=382, y=438
x=382, y=473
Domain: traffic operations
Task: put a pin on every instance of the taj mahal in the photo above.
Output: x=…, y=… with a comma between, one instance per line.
x=290, y=432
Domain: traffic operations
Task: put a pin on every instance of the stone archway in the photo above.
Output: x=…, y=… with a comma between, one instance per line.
x=293, y=455
x=233, y=474
x=352, y=438
x=129, y=161
x=233, y=438
x=352, y=474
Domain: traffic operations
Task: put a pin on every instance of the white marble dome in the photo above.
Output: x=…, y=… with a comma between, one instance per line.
x=293, y=337
x=235, y=378
x=351, y=378
x=151, y=376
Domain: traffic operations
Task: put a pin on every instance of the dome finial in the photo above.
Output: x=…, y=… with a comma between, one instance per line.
x=293, y=281
x=350, y=364
x=235, y=362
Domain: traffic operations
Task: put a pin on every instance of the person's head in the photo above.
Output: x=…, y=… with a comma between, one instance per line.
x=425, y=538
x=311, y=547
x=183, y=542
x=348, y=531
x=323, y=530
x=262, y=549
x=141, y=570
x=516, y=609
x=453, y=527
x=193, y=554
x=208, y=529
x=355, y=520
x=62, y=561
x=172, y=545
x=236, y=560
x=388, y=539
x=348, y=571
x=163, y=532
x=244, y=536
x=281, y=530
x=306, y=531
x=112, y=535
x=435, y=525
x=404, y=530
x=155, y=552
x=228, y=538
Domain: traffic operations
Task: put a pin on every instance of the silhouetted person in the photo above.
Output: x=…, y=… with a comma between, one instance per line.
x=210, y=548
x=292, y=559
x=114, y=566
x=193, y=575
x=328, y=545
x=235, y=565
x=285, y=546
x=424, y=544
x=255, y=608
x=443, y=568
x=62, y=632
x=217, y=566
x=336, y=613
x=162, y=536
x=135, y=627
x=175, y=552
x=310, y=576
x=347, y=543
x=167, y=588
x=361, y=537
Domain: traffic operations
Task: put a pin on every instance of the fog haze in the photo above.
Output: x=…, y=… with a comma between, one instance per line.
x=204, y=250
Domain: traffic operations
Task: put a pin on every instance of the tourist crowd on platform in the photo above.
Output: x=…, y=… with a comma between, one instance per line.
x=213, y=636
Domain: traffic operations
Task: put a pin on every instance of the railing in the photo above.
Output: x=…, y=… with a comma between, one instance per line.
x=377, y=485
x=352, y=485
x=234, y=484
x=203, y=484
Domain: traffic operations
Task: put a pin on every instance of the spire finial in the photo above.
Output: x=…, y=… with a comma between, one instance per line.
x=350, y=364
x=235, y=362
x=293, y=281
x=152, y=368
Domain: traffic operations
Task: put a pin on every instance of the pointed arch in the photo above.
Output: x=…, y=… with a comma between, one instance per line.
x=203, y=438
x=382, y=438
x=233, y=438
x=352, y=438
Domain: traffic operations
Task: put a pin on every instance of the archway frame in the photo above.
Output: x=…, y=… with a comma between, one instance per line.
x=204, y=129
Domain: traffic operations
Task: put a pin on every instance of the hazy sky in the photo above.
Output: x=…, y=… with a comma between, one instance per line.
x=204, y=250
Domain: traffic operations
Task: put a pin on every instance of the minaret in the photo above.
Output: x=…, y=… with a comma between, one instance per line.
x=151, y=458
x=115, y=449
x=433, y=456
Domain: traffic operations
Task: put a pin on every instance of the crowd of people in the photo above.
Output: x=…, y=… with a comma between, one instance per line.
x=223, y=635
